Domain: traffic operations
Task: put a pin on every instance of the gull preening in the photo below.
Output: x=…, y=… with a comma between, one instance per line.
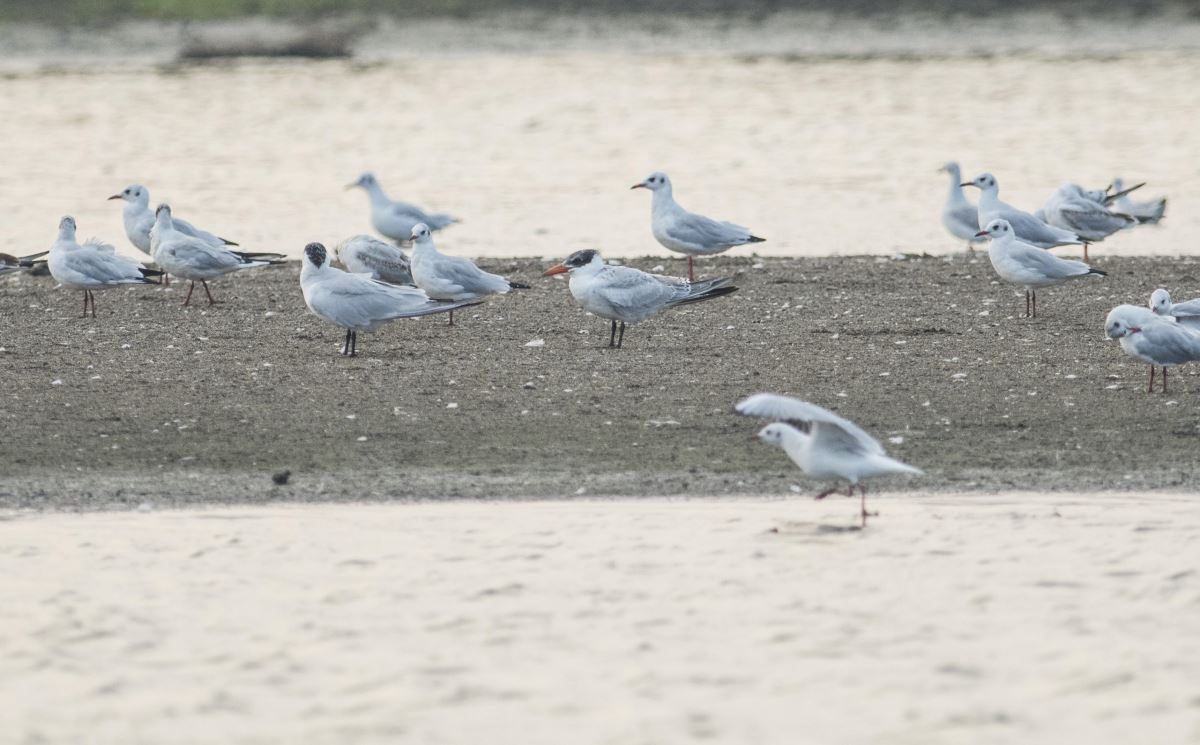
x=363, y=254
x=196, y=259
x=139, y=221
x=356, y=302
x=445, y=277
x=959, y=216
x=687, y=232
x=1152, y=339
x=823, y=444
x=92, y=266
x=1186, y=313
x=1084, y=213
x=625, y=295
x=1028, y=266
x=1147, y=213
x=10, y=263
x=1028, y=228
x=393, y=219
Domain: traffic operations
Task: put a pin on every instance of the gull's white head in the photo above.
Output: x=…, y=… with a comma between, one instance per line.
x=421, y=233
x=1124, y=320
x=654, y=182
x=1160, y=301
x=996, y=230
x=66, y=226
x=162, y=214
x=984, y=181
x=134, y=194
x=315, y=254
x=773, y=433
x=587, y=258
x=365, y=181
x=951, y=167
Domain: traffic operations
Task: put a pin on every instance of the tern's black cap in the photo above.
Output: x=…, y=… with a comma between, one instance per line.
x=315, y=253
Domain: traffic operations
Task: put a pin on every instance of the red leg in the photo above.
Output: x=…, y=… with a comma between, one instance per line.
x=691, y=269
x=92, y=297
x=206, y=292
x=188, y=299
x=85, y=299
x=1150, y=388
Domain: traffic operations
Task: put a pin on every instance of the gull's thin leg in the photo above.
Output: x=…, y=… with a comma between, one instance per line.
x=1035, y=303
x=1164, y=378
x=1027, y=303
x=691, y=269
x=85, y=298
x=451, y=318
x=863, y=505
x=612, y=335
x=621, y=336
x=188, y=299
x=92, y=297
x=1150, y=388
x=353, y=343
x=166, y=280
x=1085, y=248
x=206, y=292
x=346, y=345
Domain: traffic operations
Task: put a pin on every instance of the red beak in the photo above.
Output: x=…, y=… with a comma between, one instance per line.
x=556, y=269
x=638, y=186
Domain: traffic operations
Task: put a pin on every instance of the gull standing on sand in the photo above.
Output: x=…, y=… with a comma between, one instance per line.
x=10, y=263
x=1078, y=211
x=959, y=216
x=196, y=259
x=1152, y=339
x=445, y=277
x=687, y=232
x=1146, y=213
x=356, y=302
x=92, y=266
x=1028, y=228
x=1029, y=266
x=393, y=219
x=627, y=295
x=363, y=254
x=823, y=444
x=139, y=220
x=1186, y=314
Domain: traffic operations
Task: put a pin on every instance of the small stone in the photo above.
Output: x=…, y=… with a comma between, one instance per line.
x=281, y=477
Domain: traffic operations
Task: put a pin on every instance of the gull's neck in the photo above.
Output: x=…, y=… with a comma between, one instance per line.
x=663, y=199
x=66, y=234
x=375, y=193
x=424, y=247
x=990, y=198
x=956, y=194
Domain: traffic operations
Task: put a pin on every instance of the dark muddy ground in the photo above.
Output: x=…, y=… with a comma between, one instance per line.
x=154, y=403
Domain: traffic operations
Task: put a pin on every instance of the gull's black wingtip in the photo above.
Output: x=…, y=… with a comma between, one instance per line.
x=1100, y=272
x=518, y=285
x=756, y=239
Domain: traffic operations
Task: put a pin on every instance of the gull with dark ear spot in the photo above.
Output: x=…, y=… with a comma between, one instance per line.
x=445, y=277
x=687, y=232
x=394, y=219
x=1028, y=266
x=1186, y=313
x=1152, y=339
x=139, y=221
x=356, y=302
x=823, y=444
x=92, y=266
x=622, y=294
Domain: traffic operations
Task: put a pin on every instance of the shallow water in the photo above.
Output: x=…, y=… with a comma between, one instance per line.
x=1016, y=617
x=537, y=152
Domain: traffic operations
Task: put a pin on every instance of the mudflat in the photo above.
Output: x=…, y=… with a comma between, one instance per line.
x=152, y=402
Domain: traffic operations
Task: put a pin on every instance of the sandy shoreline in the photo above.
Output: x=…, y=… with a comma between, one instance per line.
x=154, y=403
x=1054, y=619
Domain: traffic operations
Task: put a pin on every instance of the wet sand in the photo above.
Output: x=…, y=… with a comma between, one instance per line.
x=1047, y=620
x=154, y=403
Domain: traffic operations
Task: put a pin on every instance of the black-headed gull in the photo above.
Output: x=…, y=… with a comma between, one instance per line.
x=1028, y=228
x=363, y=254
x=356, y=302
x=92, y=266
x=823, y=444
x=959, y=216
x=196, y=259
x=1029, y=266
x=625, y=295
x=393, y=219
x=1186, y=313
x=444, y=277
x=687, y=232
x=10, y=263
x=1152, y=339
x=1146, y=213
x=139, y=220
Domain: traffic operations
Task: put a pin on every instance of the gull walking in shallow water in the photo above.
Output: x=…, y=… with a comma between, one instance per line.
x=393, y=219
x=959, y=216
x=139, y=220
x=362, y=254
x=92, y=266
x=823, y=444
x=687, y=232
x=1028, y=228
x=1152, y=339
x=1029, y=266
x=627, y=295
x=10, y=263
x=1186, y=314
x=196, y=259
x=1146, y=213
x=356, y=302
x=445, y=277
